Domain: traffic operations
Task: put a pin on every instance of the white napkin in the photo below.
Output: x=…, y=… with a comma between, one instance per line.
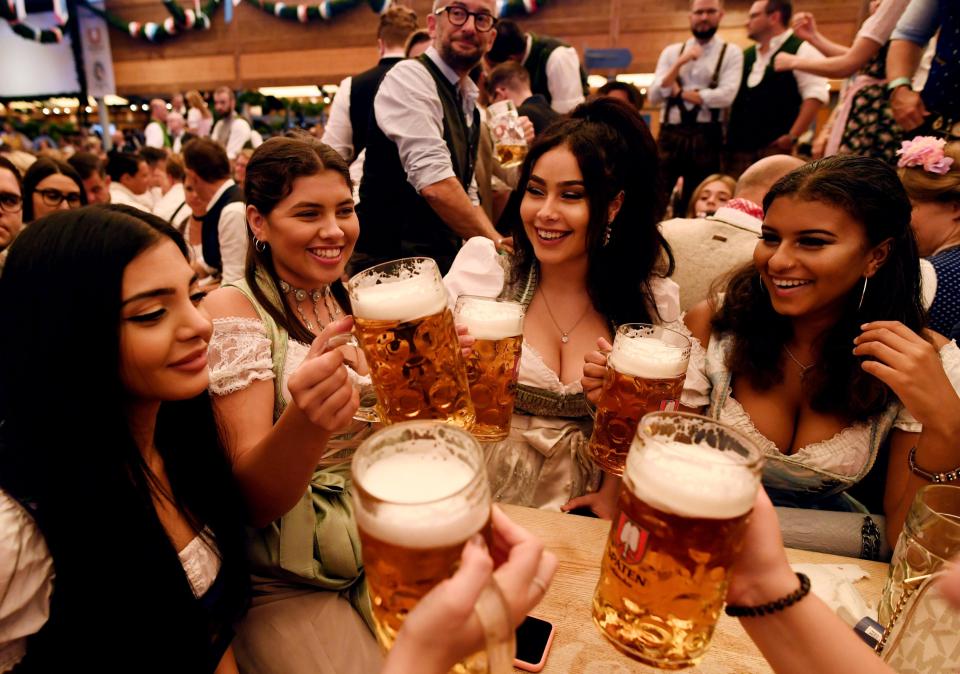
x=833, y=583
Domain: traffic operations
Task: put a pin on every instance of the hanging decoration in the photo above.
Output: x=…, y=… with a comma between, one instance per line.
x=15, y=14
x=325, y=11
x=180, y=20
x=509, y=8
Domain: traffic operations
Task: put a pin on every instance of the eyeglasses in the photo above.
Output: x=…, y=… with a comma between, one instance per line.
x=10, y=202
x=54, y=198
x=458, y=16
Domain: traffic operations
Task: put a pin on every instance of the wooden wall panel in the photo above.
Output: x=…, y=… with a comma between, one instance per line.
x=257, y=49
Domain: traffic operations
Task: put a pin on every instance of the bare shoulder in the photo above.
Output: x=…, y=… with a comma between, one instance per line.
x=225, y=302
x=698, y=320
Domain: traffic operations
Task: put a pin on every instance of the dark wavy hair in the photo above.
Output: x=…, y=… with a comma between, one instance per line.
x=270, y=175
x=615, y=152
x=121, y=598
x=38, y=171
x=869, y=191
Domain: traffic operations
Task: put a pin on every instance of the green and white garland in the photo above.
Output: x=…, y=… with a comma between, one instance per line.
x=324, y=11
x=510, y=8
x=179, y=21
x=15, y=14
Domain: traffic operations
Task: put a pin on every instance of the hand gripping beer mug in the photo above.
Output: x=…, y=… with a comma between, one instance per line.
x=407, y=334
x=492, y=367
x=645, y=373
x=930, y=538
x=508, y=139
x=421, y=492
x=689, y=485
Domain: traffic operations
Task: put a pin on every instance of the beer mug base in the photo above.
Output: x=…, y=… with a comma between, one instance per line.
x=611, y=462
x=485, y=433
x=617, y=629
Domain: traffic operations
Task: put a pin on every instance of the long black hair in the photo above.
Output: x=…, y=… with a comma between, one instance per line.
x=615, y=152
x=273, y=168
x=43, y=168
x=121, y=598
x=869, y=191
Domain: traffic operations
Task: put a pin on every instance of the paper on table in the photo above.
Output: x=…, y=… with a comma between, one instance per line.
x=833, y=583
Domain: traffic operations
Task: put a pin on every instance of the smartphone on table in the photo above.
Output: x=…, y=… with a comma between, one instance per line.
x=534, y=638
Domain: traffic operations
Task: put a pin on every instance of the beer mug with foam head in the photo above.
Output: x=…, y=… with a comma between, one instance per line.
x=645, y=373
x=420, y=492
x=689, y=486
x=407, y=335
x=508, y=139
x=494, y=363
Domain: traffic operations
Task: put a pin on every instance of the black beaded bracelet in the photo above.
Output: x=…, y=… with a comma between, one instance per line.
x=773, y=606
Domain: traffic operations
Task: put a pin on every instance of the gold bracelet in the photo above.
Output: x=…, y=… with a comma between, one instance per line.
x=936, y=478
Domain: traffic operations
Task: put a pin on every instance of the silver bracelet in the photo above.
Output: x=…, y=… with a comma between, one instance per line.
x=936, y=478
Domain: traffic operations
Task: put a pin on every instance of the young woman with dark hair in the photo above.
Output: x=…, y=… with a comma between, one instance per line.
x=110, y=441
x=50, y=185
x=817, y=350
x=302, y=229
x=589, y=256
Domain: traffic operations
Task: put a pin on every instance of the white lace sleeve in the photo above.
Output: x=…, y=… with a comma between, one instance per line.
x=950, y=359
x=240, y=354
x=696, y=386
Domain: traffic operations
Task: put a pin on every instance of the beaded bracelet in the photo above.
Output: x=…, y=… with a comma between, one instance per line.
x=773, y=606
x=936, y=478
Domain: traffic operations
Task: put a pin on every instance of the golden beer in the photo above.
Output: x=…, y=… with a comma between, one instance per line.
x=409, y=340
x=645, y=373
x=494, y=363
x=420, y=493
x=511, y=154
x=688, y=489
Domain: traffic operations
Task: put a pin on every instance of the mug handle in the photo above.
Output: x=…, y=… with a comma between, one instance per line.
x=368, y=395
x=494, y=616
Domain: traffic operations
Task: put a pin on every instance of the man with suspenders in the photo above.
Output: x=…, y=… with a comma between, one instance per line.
x=695, y=82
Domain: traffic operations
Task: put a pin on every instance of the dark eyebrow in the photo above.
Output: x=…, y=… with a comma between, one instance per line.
x=156, y=292
x=305, y=204
x=817, y=231
x=571, y=183
x=536, y=178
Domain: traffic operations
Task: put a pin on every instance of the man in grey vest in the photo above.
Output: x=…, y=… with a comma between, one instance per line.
x=772, y=109
x=695, y=81
x=418, y=196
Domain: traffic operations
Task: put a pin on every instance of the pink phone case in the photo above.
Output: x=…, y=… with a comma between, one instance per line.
x=537, y=666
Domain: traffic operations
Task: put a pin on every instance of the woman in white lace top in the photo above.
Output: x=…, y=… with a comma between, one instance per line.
x=588, y=257
x=817, y=350
x=270, y=335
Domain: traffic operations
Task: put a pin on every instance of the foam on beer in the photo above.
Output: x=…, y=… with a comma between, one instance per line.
x=419, y=478
x=491, y=320
x=402, y=300
x=691, y=480
x=647, y=357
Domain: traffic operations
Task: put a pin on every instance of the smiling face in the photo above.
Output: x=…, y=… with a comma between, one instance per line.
x=462, y=47
x=555, y=209
x=163, y=331
x=812, y=256
x=311, y=232
x=55, y=186
x=713, y=195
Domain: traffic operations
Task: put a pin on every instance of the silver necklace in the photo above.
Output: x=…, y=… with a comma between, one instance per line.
x=564, y=334
x=317, y=295
x=803, y=368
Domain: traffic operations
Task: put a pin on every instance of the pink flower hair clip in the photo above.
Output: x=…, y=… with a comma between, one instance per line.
x=926, y=152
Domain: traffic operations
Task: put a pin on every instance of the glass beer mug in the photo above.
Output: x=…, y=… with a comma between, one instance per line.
x=508, y=140
x=688, y=488
x=407, y=334
x=494, y=363
x=645, y=373
x=420, y=493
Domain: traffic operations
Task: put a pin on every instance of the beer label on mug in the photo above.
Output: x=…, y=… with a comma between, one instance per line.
x=631, y=540
x=669, y=405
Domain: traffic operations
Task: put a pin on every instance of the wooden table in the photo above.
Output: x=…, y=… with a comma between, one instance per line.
x=578, y=646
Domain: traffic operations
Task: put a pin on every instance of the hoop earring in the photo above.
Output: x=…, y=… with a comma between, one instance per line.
x=862, y=293
x=261, y=246
x=763, y=288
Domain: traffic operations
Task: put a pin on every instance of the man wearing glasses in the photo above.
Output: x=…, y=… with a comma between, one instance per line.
x=11, y=206
x=418, y=196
